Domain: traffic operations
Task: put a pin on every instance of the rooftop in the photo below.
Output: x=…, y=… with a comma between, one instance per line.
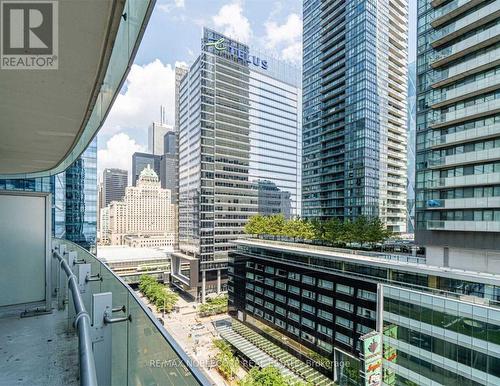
x=382, y=260
x=125, y=253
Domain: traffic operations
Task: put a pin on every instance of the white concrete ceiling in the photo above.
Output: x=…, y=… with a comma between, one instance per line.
x=42, y=112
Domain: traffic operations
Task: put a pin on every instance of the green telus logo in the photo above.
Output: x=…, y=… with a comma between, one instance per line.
x=217, y=44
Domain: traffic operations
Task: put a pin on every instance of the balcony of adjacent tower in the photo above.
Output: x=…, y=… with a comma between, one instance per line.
x=464, y=226
x=482, y=86
x=465, y=114
x=480, y=133
x=471, y=44
x=447, y=12
x=465, y=158
x=465, y=24
x=464, y=181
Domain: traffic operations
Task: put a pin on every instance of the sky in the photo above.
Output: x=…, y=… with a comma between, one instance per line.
x=172, y=38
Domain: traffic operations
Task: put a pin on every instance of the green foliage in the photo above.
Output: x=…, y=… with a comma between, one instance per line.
x=163, y=298
x=268, y=376
x=362, y=230
x=227, y=363
x=214, y=306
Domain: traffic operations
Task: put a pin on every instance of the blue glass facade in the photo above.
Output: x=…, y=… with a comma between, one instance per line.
x=354, y=111
x=74, y=197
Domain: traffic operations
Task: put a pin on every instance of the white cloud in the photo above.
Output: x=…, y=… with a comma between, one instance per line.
x=167, y=7
x=147, y=88
x=233, y=23
x=118, y=153
x=286, y=38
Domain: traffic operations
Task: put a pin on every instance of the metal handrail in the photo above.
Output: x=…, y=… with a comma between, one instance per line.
x=82, y=323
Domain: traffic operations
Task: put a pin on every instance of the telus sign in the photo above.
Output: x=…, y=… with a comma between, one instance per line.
x=220, y=46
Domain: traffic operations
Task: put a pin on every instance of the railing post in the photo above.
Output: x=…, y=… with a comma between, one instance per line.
x=83, y=272
x=102, y=306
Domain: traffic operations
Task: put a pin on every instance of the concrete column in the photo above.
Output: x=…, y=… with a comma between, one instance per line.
x=203, y=286
x=218, y=281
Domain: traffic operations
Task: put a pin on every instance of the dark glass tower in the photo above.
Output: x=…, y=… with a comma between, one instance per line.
x=354, y=110
x=74, y=198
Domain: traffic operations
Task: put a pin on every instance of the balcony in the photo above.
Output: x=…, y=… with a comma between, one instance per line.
x=463, y=203
x=451, y=10
x=472, y=180
x=465, y=226
x=484, y=132
x=465, y=158
x=465, y=24
x=471, y=44
x=484, y=85
x=467, y=113
x=462, y=69
x=128, y=345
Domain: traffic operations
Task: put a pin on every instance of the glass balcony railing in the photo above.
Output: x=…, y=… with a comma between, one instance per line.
x=142, y=351
x=442, y=11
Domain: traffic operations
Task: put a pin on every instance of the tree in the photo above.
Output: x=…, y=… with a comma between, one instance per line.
x=275, y=224
x=333, y=230
x=256, y=225
x=377, y=231
x=360, y=228
x=268, y=376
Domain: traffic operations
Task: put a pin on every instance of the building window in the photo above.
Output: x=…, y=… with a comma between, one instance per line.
x=308, y=294
x=324, y=345
x=306, y=336
x=280, y=298
x=308, y=280
x=325, y=315
x=259, y=312
x=249, y=297
x=280, y=310
x=269, y=270
x=307, y=308
x=325, y=330
x=341, y=305
x=250, y=275
x=363, y=329
x=325, y=284
x=248, y=307
x=343, y=322
x=293, y=303
x=325, y=299
x=366, y=313
x=258, y=300
x=269, y=305
x=293, y=289
x=268, y=317
x=281, y=272
x=269, y=281
x=308, y=323
x=249, y=286
x=367, y=295
x=293, y=330
x=294, y=276
x=343, y=338
x=259, y=290
x=269, y=294
x=345, y=289
x=293, y=316
x=279, y=323
x=280, y=285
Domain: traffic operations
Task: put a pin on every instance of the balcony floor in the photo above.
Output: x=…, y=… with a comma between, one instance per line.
x=38, y=351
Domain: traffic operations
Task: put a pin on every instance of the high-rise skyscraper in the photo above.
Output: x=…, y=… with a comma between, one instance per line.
x=179, y=74
x=354, y=110
x=156, y=132
x=238, y=126
x=141, y=161
x=169, y=167
x=410, y=149
x=114, y=182
x=458, y=133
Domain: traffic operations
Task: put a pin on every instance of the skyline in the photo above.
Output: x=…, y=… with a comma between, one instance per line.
x=271, y=26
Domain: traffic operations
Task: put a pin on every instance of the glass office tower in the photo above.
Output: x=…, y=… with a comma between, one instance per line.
x=74, y=198
x=354, y=110
x=458, y=133
x=239, y=131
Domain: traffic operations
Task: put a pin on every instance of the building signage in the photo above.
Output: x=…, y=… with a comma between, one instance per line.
x=220, y=45
x=372, y=358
